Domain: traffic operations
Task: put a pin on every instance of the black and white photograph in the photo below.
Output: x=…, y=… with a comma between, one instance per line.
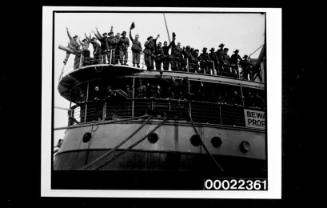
x=161, y=102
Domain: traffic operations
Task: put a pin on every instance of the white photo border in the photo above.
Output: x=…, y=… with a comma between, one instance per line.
x=274, y=111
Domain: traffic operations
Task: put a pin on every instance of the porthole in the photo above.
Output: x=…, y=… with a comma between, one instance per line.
x=244, y=146
x=153, y=138
x=216, y=142
x=195, y=140
x=87, y=137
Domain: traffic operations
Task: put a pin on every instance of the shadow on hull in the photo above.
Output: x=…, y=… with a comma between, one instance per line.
x=149, y=170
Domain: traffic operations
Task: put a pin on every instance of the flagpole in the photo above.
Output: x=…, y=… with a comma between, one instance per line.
x=166, y=27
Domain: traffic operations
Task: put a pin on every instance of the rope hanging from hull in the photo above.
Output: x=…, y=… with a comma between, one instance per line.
x=220, y=168
x=130, y=147
x=116, y=147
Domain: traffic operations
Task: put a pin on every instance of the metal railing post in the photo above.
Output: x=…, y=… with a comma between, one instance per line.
x=169, y=105
x=81, y=61
x=238, y=72
x=87, y=98
x=104, y=111
x=189, y=92
x=110, y=58
x=242, y=97
x=188, y=65
x=220, y=115
x=133, y=97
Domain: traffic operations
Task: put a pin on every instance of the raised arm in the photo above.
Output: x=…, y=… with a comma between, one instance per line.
x=87, y=38
x=69, y=36
x=98, y=33
x=79, y=41
x=172, y=43
x=130, y=35
x=107, y=44
x=127, y=42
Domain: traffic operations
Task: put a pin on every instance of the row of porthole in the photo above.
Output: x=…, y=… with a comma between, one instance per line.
x=195, y=141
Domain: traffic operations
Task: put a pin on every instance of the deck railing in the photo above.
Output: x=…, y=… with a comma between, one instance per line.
x=213, y=70
x=200, y=111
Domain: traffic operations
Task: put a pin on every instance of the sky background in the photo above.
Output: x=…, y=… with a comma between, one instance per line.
x=243, y=31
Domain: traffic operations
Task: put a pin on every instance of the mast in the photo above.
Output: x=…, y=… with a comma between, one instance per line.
x=166, y=27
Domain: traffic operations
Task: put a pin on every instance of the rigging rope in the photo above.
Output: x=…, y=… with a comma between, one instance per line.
x=116, y=147
x=133, y=145
x=256, y=50
x=205, y=148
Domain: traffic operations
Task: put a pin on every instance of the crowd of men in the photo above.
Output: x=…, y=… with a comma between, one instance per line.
x=113, y=49
x=116, y=97
x=177, y=89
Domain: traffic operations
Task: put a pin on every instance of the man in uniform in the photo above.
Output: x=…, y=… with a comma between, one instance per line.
x=85, y=43
x=149, y=49
x=141, y=90
x=123, y=45
x=159, y=55
x=166, y=57
x=213, y=66
x=116, y=40
x=136, y=47
x=220, y=56
x=129, y=91
x=226, y=61
x=96, y=50
x=103, y=40
x=111, y=46
x=236, y=98
x=187, y=58
x=194, y=65
x=97, y=103
x=77, y=59
x=250, y=99
x=234, y=61
x=245, y=64
x=176, y=55
x=72, y=45
x=204, y=61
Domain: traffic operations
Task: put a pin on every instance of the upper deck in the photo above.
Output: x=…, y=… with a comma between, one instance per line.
x=109, y=92
x=73, y=80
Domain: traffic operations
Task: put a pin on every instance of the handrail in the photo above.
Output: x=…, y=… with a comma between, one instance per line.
x=172, y=99
x=202, y=111
x=91, y=61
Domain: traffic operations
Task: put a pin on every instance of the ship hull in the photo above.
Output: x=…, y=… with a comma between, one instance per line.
x=173, y=150
x=140, y=160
